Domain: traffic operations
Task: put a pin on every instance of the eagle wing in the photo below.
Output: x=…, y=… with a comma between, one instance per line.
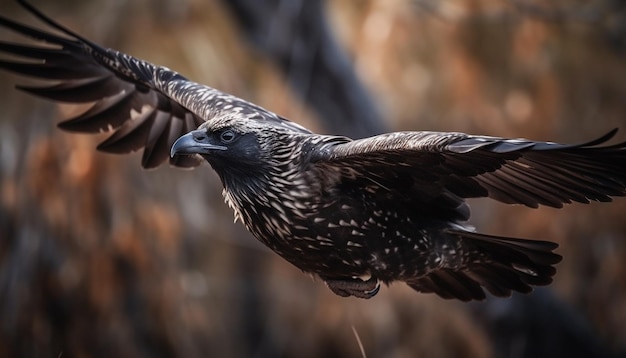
x=445, y=166
x=146, y=106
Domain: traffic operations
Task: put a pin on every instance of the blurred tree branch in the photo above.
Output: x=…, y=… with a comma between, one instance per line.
x=295, y=36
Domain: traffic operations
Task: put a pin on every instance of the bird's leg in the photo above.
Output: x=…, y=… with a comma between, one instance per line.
x=354, y=286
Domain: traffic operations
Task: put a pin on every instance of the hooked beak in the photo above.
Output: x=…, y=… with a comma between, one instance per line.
x=194, y=142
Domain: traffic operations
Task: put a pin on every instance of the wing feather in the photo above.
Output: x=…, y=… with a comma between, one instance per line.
x=156, y=150
x=80, y=91
x=117, y=85
x=514, y=171
x=108, y=112
x=132, y=135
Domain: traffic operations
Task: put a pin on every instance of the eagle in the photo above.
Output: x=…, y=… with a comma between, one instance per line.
x=355, y=213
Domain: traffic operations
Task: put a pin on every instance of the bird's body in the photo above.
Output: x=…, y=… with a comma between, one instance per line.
x=356, y=229
x=354, y=212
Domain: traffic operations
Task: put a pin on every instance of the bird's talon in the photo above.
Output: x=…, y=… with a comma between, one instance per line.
x=354, y=287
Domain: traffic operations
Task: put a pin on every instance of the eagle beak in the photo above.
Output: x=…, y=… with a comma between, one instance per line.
x=194, y=142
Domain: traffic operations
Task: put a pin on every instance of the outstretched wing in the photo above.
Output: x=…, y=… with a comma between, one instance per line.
x=127, y=93
x=441, y=168
x=146, y=106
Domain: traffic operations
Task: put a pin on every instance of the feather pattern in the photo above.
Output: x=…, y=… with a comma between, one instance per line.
x=517, y=171
x=120, y=86
x=354, y=212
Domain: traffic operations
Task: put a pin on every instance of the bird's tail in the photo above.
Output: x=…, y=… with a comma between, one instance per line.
x=498, y=264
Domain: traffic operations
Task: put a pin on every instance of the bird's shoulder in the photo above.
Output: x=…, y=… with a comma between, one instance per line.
x=415, y=141
x=340, y=149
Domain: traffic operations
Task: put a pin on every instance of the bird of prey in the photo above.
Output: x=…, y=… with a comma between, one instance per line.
x=353, y=212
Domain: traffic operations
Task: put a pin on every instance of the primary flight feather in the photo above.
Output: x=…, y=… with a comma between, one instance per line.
x=354, y=212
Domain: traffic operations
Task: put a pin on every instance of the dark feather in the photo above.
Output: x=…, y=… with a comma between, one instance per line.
x=391, y=207
x=499, y=264
x=84, y=72
x=511, y=171
x=80, y=91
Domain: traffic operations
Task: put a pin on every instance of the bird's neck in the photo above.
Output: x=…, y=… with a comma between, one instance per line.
x=276, y=196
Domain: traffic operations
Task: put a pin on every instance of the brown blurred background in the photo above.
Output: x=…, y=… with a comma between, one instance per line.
x=99, y=258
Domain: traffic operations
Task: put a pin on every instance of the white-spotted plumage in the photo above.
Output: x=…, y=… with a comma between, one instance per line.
x=386, y=208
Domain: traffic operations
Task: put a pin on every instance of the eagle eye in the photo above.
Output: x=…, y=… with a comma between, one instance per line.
x=227, y=136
